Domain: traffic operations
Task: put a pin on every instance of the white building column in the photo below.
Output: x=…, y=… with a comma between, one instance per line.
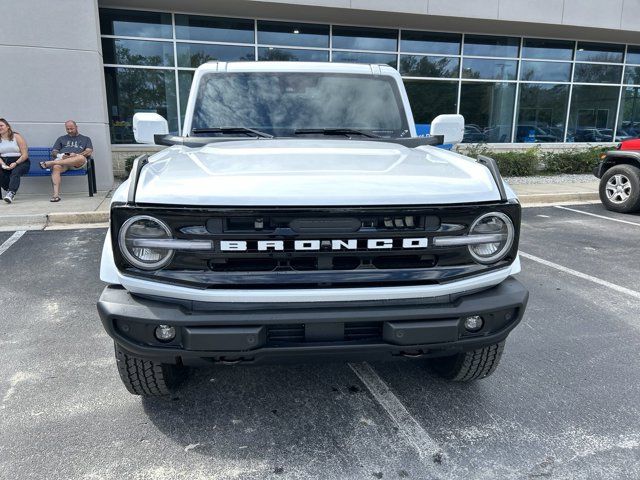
x=51, y=71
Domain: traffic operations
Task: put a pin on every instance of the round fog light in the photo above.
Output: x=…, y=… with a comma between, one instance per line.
x=473, y=323
x=165, y=333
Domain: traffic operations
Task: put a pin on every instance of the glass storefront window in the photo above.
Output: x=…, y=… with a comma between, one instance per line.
x=427, y=66
x=488, y=111
x=137, y=52
x=632, y=75
x=130, y=23
x=595, y=73
x=547, y=49
x=132, y=90
x=293, y=34
x=365, y=57
x=486, y=46
x=600, y=52
x=629, y=118
x=214, y=29
x=195, y=54
x=185, y=78
x=427, y=42
x=545, y=71
x=484, y=67
x=363, y=38
x=633, y=55
x=488, y=69
x=593, y=113
x=292, y=55
x=430, y=99
x=542, y=112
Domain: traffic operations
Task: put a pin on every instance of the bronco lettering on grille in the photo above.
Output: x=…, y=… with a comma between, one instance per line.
x=316, y=245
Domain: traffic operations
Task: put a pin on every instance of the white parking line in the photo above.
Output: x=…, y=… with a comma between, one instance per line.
x=584, y=276
x=11, y=240
x=598, y=216
x=418, y=437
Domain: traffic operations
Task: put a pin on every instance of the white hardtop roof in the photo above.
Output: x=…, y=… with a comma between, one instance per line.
x=359, y=68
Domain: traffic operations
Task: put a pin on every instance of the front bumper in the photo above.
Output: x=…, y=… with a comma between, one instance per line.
x=250, y=333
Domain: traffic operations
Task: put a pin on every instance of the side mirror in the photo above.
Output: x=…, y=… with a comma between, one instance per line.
x=146, y=125
x=451, y=127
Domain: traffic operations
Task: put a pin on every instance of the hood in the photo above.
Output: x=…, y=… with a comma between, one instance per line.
x=314, y=172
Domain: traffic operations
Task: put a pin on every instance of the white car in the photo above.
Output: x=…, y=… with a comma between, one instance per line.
x=300, y=217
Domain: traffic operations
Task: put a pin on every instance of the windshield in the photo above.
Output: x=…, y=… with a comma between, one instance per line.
x=283, y=102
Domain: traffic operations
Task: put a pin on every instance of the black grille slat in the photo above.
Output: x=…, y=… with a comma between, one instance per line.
x=295, y=333
x=363, y=331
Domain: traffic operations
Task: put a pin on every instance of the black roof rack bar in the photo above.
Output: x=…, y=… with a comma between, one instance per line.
x=492, y=165
x=138, y=163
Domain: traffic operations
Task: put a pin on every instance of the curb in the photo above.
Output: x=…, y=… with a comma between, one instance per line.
x=29, y=220
x=77, y=217
x=42, y=220
x=551, y=198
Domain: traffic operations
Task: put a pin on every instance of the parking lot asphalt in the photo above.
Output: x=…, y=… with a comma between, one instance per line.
x=563, y=403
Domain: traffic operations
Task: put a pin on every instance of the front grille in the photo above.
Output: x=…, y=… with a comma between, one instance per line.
x=316, y=247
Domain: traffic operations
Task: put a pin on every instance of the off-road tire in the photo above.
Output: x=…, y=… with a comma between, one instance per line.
x=632, y=203
x=145, y=377
x=467, y=366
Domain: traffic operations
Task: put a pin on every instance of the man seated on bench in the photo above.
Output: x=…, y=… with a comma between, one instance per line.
x=70, y=152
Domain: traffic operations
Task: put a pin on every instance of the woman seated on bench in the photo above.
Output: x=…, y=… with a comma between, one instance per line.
x=70, y=152
x=14, y=160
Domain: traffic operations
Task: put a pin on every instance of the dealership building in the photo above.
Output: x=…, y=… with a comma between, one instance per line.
x=519, y=71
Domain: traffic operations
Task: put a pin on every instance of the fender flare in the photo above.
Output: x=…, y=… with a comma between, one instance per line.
x=617, y=157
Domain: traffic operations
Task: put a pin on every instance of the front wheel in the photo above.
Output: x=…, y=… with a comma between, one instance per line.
x=145, y=377
x=467, y=366
x=620, y=189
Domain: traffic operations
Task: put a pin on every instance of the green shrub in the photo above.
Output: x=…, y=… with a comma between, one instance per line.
x=573, y=160
x=128, y=163
x=522, y=163
x=518, y=163
x=515, y=163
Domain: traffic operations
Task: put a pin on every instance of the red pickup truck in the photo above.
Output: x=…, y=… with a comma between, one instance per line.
x=619, y=174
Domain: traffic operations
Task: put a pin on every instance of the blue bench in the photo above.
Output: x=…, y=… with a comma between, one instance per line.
x=42, y=154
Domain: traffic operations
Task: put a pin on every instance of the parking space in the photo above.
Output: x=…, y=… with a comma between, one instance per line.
x=562, y=404
x=603, y=246
x=4, y=236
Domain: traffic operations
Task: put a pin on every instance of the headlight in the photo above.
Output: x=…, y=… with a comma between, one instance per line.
x=491, y=237
x=140, y=240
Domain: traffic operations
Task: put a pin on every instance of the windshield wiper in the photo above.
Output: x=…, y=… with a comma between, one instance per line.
x=256, y=133
x=334, y=131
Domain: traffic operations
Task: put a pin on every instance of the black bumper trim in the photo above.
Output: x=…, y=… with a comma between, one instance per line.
x=232, y=335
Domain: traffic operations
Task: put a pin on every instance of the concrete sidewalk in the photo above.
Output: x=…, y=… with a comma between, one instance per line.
x=35, y=212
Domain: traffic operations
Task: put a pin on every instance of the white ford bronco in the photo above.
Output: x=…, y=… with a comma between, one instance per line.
x=300, y=217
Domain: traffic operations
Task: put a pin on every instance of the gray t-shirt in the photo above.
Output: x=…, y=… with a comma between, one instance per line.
x=69, y=144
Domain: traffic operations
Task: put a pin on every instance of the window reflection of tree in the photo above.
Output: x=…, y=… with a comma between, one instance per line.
x=587, y=73
x=124, y=56
x=195, y=59
x=137, y=89
x=436, y=67
x=278, y=55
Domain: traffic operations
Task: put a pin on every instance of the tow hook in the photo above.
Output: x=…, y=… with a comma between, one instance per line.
x=234, y=361
x=414, y=354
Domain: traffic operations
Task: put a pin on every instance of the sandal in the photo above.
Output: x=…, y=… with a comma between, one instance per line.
x=43, y=166
x=54, y=199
